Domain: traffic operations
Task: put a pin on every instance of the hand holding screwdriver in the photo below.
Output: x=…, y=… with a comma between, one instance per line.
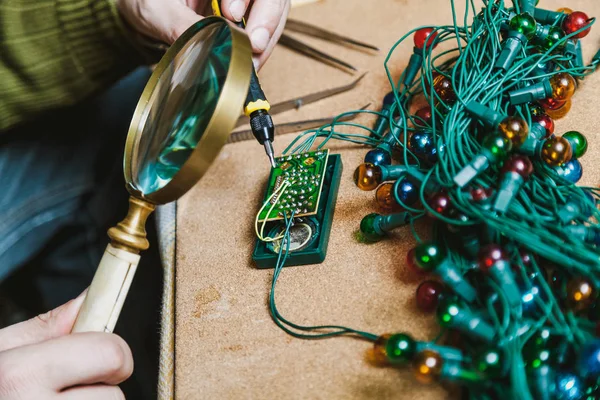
x=256, y=105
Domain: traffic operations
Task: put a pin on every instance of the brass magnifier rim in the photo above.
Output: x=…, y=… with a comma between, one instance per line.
x=220, y=125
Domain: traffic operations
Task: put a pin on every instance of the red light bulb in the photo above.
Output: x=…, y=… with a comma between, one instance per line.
x=424, y=114
x=480, y=194
x=552, y=104
x=440, y=202
x=428, y=295
x=490, y=255
x=519, y=164
x=425, y=37
x=574, y=22
x=545, y=121
x=411, y=263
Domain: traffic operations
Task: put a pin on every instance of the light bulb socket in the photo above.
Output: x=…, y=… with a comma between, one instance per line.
x=510, y=50
x=486, y=115
x=479, y=164
x=529, y=94
x=384, y=224
x=449, y=274
x=509, y=186
x=392, y=172
x=528, y=6
x=537, y=131
x=547, y=17
x=448, y=354
x=473, y=325
x=412, y=69
x=501, y=273
x=531, y=146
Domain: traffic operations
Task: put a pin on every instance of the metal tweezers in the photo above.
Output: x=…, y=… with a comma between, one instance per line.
x=293, y=25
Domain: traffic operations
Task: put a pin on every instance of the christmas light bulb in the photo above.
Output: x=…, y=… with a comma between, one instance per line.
x=442, y=85
x=378, y=156
x=495, y=149
x=580, y=294
x=428, y=257
x=453, y=314
x=572, y=171
x=575, y=21
x=424, y=116
x=522, y=28
x=427, y=366
x=546, y=122
x=550, y=91
x=374, y=227
x=440, y=203
x=428, y=295
x=490, y=362
x=514, y=129
x=421, y=143
x=556, y=151
x=578, y=143
x=406, y=192
x=424, y=40
x=515, y=172
x=553, y=37
x=400, y=348
x=367, y=176
x=384, y=196
x=559, y=111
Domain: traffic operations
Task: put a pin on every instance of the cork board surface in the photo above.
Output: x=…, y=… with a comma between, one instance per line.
x=227, y=347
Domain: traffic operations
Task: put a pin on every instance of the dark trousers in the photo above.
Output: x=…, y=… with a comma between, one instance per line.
x=61, y=188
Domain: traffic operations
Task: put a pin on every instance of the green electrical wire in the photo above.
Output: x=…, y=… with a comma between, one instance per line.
x=531, y=223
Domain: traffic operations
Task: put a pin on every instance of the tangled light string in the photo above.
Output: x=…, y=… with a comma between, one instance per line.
x=513, y=259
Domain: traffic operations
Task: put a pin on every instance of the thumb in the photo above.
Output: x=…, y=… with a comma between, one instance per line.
x=54, y=323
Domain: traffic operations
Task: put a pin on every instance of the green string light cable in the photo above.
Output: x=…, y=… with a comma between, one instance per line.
x=514, y=245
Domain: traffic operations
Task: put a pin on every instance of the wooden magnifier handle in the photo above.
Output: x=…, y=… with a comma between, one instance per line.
x=106, y=295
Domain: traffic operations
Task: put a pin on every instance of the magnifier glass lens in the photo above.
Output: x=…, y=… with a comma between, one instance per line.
x=182, y=105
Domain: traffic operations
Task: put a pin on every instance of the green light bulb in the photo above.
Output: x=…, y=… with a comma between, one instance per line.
x=555, y=35
x=498, y=146
x=525, y=24
x=400, y=348
x=447, y=310
x=367, y=228
x=490, y=363
x=428, y=256
x=578, y=143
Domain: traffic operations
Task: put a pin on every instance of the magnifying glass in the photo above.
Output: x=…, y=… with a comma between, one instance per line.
x=182, y=120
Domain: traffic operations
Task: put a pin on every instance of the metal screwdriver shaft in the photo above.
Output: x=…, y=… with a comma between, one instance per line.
x=256, y=106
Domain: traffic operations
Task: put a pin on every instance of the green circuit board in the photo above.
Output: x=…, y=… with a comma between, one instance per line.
x=305, y=173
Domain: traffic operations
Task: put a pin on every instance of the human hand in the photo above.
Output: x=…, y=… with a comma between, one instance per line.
x=39, y=359
x=166, y=20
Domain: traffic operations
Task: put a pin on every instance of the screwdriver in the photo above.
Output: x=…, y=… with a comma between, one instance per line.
x=256, y=106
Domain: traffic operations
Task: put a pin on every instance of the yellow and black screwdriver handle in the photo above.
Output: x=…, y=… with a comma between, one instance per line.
x=256, y=106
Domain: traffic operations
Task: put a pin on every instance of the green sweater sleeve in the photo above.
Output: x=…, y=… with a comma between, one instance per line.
x=54, y=53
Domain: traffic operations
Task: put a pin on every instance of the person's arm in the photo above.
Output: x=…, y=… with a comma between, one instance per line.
x=40, y=360
x=54, y=53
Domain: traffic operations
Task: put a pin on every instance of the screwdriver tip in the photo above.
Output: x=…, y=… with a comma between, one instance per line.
x=269, y=151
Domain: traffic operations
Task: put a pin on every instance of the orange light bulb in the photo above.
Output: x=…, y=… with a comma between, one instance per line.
x=385, y=197
x=367, y=176
x=427, y=366
x=563, y=86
